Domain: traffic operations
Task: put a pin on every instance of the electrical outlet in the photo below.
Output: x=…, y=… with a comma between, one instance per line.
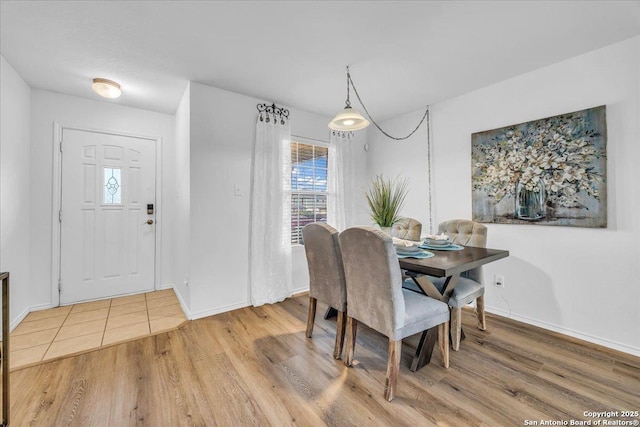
x=499, y=280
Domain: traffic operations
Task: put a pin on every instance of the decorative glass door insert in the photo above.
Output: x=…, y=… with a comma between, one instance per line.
x=112, y=186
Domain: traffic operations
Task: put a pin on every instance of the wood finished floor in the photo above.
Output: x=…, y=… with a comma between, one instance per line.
x=254, y=366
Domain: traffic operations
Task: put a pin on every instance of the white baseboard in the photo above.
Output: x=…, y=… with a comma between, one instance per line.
x=230, y=307
x=182, y=302
x=218, y=310
x=20, y=317
x=39, y=307
x=300, y=290
x=15, y=322
x=635, y=351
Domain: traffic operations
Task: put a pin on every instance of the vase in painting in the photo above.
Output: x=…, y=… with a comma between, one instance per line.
x=530, y=202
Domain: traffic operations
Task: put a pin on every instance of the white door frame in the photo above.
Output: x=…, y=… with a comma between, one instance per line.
x=57, y=200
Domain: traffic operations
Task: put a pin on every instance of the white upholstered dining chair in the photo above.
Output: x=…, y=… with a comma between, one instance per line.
x=326, y=277
x=375, y=297
x=469, y=286
x=407, y=228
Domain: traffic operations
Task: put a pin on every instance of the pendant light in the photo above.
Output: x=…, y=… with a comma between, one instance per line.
x=348, y=119
x=106, y=88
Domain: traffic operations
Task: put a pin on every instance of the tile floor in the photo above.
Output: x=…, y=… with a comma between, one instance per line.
x=62, y=331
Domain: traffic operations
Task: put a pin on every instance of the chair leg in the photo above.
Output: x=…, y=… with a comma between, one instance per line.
x=340, y=330
x=352, y=326
x=311, y=317
x=443, y=342
x=482, y=321
x=456, y=328
x=393, y=364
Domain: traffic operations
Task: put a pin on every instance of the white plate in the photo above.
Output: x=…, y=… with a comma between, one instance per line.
x=419, y=255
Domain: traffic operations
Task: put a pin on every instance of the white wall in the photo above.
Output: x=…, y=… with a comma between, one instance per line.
x=222, y=138
x=49, y=107
x=404, y=159
x=181, y=199
x=578, y=281
x=207, y=148
x=15, y=105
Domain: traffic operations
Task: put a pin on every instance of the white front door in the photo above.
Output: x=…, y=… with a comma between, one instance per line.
x=107, y=245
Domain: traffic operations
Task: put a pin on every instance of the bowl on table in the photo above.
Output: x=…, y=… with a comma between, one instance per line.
x=402, y=249
x=438, y=241
x=405, y=246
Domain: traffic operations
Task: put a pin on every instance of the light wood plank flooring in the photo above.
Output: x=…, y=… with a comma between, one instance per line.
x=62, y=331
x=254, y=366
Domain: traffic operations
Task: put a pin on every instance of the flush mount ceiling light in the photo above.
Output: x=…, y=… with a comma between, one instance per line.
x=350, y=119
x=106, y=88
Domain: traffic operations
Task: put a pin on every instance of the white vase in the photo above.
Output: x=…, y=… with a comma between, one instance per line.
x=386, y=230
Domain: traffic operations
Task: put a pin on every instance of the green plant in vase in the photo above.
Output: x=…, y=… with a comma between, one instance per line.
x=386, y=197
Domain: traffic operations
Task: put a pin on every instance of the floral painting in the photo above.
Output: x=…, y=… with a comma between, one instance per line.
x=550, y=171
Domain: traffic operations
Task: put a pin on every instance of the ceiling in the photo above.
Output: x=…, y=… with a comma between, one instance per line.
x=403, y=55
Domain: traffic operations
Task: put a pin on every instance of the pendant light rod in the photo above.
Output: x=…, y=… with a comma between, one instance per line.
x=350, y=81
x=348, y=103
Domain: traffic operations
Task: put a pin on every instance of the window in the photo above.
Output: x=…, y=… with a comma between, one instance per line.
x=308, y=187
x=112, y=186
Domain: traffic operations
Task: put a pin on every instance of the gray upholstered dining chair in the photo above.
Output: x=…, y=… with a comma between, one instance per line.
x=407, y=228
x=375, y=297
x=326, y=277
x=469, y=286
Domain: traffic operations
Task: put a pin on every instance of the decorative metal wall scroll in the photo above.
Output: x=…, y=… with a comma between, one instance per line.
x=272, y=112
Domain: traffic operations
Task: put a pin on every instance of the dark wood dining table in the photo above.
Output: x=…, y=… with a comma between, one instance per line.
x=449, y=264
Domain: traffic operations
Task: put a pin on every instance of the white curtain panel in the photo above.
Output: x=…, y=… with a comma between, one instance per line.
x=270, y=249
x=342, y=191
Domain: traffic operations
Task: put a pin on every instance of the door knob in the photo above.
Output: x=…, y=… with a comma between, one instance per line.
x=149, y=221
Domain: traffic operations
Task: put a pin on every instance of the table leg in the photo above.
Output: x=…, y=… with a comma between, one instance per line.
x=424, y=349
x=331, y=312
x=429, y=289
x=449, y=284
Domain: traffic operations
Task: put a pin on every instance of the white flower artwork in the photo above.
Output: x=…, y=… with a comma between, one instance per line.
x=550, y=171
